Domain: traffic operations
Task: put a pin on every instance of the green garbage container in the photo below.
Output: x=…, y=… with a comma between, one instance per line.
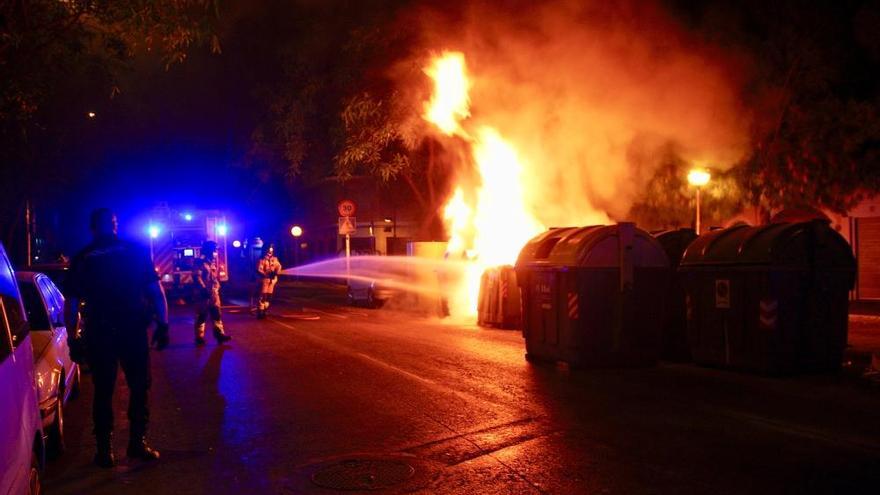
x=499, y=299
x=673, y=337
x=593, y=296
x=771, y=299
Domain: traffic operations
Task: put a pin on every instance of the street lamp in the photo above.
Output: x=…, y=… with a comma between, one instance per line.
x=698, y=178
x=296, y=231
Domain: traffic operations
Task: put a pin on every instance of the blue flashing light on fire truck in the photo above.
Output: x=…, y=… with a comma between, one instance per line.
x=176, y=241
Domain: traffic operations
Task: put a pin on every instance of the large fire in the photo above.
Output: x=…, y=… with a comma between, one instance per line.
x=560, y=114
x=488, y=221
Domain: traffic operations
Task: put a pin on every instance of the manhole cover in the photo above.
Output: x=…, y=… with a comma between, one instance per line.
x=363, y=474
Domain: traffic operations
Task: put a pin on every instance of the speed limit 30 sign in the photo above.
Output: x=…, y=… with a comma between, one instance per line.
x=346, y=208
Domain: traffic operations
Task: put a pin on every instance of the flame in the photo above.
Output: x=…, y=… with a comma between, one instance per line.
x=490, y=229
x=450, y=102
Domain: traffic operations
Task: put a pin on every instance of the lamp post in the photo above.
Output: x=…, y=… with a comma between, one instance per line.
x=296, y=231
x=698, y=178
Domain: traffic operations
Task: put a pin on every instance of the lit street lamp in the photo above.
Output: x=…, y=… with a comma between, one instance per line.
x=698, y=178
x=296, y=231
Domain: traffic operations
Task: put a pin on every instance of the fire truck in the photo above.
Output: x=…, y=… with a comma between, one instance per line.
x=176, y=238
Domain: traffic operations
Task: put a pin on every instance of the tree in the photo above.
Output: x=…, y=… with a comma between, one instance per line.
x=668, y=201
x=346, y=120
x=55, y=55
x=816, y=133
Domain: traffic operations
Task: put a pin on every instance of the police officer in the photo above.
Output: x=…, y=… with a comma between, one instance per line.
x=206, y=277
x=120, y=291
x=268, y=268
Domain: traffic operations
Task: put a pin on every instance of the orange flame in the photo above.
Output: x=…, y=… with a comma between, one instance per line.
x=450, y=102
x=492, y=228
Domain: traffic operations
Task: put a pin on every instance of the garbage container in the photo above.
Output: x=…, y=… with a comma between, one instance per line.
x=499, y=299
x=593, y=296
x=772, y=299
x=673, y=336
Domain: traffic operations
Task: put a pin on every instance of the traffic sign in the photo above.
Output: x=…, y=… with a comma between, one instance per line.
x=346, y=208
x=347, y=225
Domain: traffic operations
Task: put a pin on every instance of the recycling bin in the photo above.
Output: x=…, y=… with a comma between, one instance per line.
x=499, y=299
x=593, y=296
x=772, y=299
x=673, y=336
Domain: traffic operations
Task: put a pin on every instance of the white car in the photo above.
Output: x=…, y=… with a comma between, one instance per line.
x=57, y=376
x=21, y=434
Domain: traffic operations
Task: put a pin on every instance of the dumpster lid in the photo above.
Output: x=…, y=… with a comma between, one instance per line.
x=593, y=246
x=674, y=242
x=783, y=243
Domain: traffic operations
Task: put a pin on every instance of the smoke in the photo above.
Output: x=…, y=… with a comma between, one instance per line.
x=593, y=95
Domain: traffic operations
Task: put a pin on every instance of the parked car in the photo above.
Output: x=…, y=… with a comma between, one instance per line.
x=55, y=271
x=22, y=448
x=372, y=293
x=57, y=376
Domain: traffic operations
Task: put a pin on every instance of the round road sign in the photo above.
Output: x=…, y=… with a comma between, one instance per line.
x=346, y=208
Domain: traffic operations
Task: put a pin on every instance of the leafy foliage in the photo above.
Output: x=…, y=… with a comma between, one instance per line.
x=814, y=92
x=374, y=139
x=57, y=55
x=43, y=41
x=668, y=201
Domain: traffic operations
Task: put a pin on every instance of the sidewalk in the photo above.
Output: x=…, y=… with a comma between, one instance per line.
x=863, y=349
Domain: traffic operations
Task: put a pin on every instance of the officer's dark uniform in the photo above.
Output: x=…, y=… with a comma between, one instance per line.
x=111, y=276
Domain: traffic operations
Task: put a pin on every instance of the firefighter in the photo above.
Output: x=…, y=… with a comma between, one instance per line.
x=268, y=268
x=206, y=277
x=122, y=294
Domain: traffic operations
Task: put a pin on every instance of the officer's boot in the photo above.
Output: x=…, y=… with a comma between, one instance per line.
x=104, y=456
x=219, y=333
x=138, y=449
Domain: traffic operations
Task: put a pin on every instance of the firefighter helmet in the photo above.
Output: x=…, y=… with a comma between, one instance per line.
x=268, y=248
x=209, y=247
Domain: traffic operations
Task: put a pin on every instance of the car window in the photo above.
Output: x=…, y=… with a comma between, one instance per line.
x=11, y=310
x=15, y=318
x=53, y=300
x=33, y=304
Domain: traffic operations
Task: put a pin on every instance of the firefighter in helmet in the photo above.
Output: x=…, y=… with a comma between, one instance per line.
x=206, y=277
x=268, y=268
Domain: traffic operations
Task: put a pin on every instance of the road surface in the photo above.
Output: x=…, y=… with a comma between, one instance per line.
x=334, y=396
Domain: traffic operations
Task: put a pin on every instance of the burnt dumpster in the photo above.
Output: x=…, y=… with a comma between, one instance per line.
x=771, y=299
x=673, y=336
x=593, y=296
x=499, y=299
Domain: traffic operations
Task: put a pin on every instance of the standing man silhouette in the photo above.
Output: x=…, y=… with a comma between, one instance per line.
x=121, y=294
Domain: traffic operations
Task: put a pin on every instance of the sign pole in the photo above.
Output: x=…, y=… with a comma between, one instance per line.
x=347, y=257
x=347, y=224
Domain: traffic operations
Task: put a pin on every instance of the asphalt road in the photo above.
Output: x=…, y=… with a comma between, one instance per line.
x=375, y=398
